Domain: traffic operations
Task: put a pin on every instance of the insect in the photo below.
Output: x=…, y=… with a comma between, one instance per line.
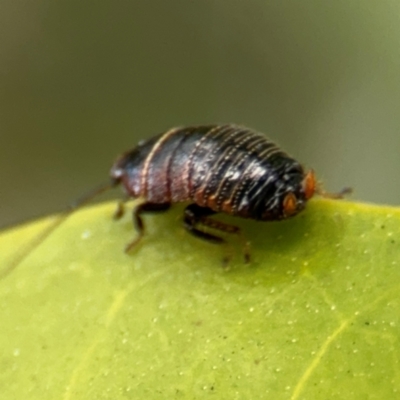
x=217, y=169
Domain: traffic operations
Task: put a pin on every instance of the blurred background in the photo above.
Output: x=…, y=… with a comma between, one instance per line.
x=82, y=81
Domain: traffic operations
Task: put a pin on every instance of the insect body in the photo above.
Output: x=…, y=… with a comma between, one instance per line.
x=217, y=168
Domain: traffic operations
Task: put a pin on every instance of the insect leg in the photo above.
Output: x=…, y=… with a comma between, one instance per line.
x=138, y=221
x=196, y=215
x=222, y=226
x=120, y=211
x=345, y=191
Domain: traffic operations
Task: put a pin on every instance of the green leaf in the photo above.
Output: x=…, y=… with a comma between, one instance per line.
x=315, y=315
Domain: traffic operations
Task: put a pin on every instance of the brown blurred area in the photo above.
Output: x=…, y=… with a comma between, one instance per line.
x=81, y=81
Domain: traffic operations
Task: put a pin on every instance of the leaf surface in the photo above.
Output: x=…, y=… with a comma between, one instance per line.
x=315, y=315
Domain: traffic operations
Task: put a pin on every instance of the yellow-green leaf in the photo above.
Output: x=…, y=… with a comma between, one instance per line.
x=315, y=315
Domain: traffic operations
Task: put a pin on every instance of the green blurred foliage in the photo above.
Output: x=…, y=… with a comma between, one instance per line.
x=81, y=81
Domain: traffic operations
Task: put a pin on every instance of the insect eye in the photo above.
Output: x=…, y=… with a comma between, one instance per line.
x=309, y=184
x=289, y=204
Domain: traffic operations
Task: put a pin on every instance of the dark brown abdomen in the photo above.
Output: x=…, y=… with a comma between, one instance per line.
x=224, y=167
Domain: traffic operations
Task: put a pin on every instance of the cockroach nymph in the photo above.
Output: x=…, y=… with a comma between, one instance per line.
x=217, y=169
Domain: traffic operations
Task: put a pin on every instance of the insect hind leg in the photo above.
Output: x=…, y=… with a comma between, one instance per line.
x=339, y=195
x=195, y=215
x=138, y=221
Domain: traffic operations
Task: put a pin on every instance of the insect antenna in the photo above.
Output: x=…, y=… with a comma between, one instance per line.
x=60, y=218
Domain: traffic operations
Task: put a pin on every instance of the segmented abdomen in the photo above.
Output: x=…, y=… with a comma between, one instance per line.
x=224, y=167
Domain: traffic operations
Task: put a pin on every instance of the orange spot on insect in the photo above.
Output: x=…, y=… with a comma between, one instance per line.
x=309, y=184
x=289, y=204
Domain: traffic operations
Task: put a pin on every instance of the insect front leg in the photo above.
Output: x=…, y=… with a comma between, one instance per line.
x=120, y=211
x=138, y=221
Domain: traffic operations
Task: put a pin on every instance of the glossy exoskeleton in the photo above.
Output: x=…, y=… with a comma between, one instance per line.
x=217, y=168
